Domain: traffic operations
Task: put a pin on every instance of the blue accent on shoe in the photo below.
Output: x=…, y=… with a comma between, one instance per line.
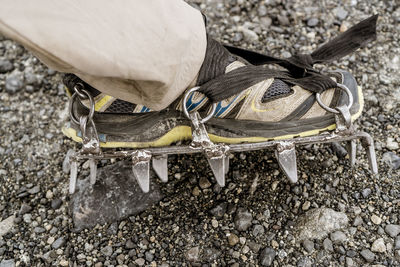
x=145, y=109
x=190, y=106
x=220, y=109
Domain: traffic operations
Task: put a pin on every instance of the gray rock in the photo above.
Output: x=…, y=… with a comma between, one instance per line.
x=7, y=263
x=237, y=37
x=392, y=160
x=339, y=150
x=25, y=208
x=304, y=262
x=262, y=11
x=219, y=210
x=129, y=244
x=397, y=243
x=340, y=13
x=368, y=255
x=211, y=254
x=378, y=246
x=107, y=251
x=149, y=256
x=60, y=242
x=34, y=190
x=140, y=261
x=328, y=246
x=283, y=20
x=89, y=206
x=312, y=22
x=267, y=256
x=192, y=254
x=366, y=192
x=308, y=245
x=392, y=230
x=249, y=35
x=265, y=22
x=14, y=83
x=318, y=223
x=338, y=237
x=5, y=66
x=258, y=230
x=39, y=230
x=56, y=203
x=6, y=225
x=349, y=262
x=243, y=220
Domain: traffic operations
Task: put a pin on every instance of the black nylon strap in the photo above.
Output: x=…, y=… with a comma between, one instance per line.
x=299, y=67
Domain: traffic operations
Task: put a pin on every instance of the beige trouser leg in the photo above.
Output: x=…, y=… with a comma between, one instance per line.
x=142, y=51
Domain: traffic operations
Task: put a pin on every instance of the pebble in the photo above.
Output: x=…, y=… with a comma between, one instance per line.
x=391, y=159
x=327, y=244
x=306, y=205
x=243, y=220
x=219, y=210
x=214, y=223
x=6, y=225
x=149, y=256
x=140, y=261
x=34, y=190
x=378, y=246
x=340, y=13
x=192, y=254
x=14, y=83
x=375, y=219
x=391, y=144
x=392, y=230
x=5, y=66
x=349, y=262
x=318, y=223
x=60, y=242
x=249, y=35
x=258, y=230
x=312, y=22
x=308, y=245
x=25, y=208
x=368, y=255
x=267, y=256
x=233, y=239
x=262, y=11
x=366, y=192
x=204, y=183
x=7, y=263
x=107, y=251
x=56, y=203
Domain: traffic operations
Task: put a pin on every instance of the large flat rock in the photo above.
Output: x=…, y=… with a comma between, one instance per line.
x=115, y=196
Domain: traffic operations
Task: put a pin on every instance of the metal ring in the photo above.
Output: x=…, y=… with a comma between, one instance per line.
x=78, y=88
x=342, y=87
x=73, y=99
x=185, y=111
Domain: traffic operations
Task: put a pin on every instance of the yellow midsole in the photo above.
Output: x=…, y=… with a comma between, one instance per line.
x=180, y=133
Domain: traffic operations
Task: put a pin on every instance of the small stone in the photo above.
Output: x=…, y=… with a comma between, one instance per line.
x=7, y=263
x=328, y=246
x=357, y=221
x=391, y=159
x=39, y=230
x=267, y=256
x=258, y=230
x=243, y=220
x=378, y=246
x=375, y=219
x=254, y=246
x=391, y=144
x=24, y=209
x=149, y=256
x=312, y=22
x=5, y=66
x=308, y=245
x=397, y=243
x=192, y=254
x=266, y=22
x=237, y=37
x=129, y=244
x=14, y=83
x=340, y=13
x=392, y=230
x=60, y=242
x=249, y=35
x=306, y=205
x=366, y=192
x=6, y=225
x=214, y=223
x=262, y=11
x=283, y=20
x=233, y=239
x=107, y=251
x=204, y=183
x=338, y=237
x=211, y=254
x=351, y=253
x=318, y=223
x=140, y=261
x=56, y=203
x=64, y=263
x=349, y=262
x=219, y=210
x=368, y=255
x=34, y=190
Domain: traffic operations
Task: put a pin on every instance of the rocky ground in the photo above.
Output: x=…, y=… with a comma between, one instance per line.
x=334, y=216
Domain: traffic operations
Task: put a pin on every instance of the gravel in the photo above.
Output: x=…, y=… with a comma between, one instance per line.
x=195, y=214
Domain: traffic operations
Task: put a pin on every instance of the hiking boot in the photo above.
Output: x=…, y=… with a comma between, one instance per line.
x=240, y=98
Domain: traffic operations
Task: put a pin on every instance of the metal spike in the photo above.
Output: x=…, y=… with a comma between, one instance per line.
x=93, y=171
x=368, y=144
x=352, y=151
x=141, y=169
x=286, y=156
x=226, y=164
x=160, y=166
x=73, y=177
x=218, y=167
